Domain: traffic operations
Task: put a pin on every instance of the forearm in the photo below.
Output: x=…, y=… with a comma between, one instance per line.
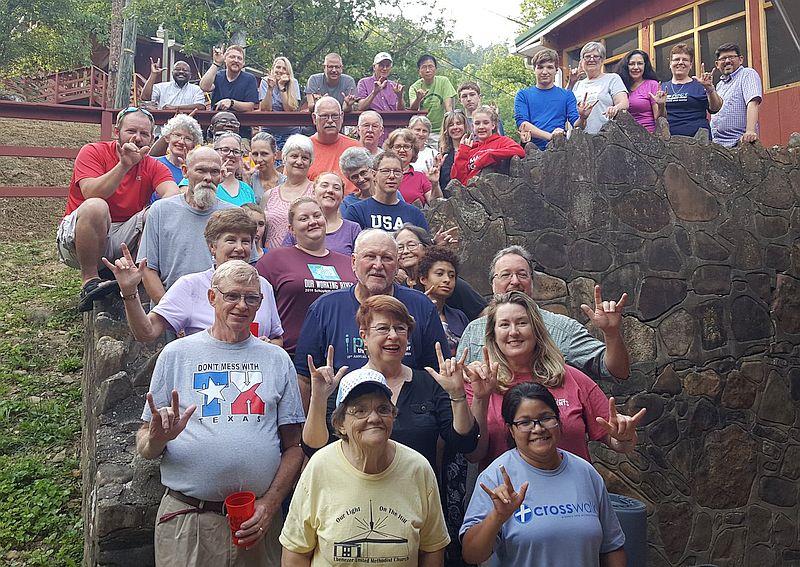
x=241, y=106
x=478, y=542
x=277, y=341
x=401, y=104
x=292, y=559
x=659, y=110
x=159, y=148
x=614, y=559
x=534, y=131
x=186, y=107
x=432, y=559
x=207, y=80
x=105, y=185
x=448, y=104
x=616, y=358
x=415, y=103
x=315, y=430
x=147, y=89
x=480, y=412
x=146, y=327
x=364, y=103
x=147, y=448
x=752, y=115
x=266, y=103
x=714, y=100
x=462, y=417
x=153, y=285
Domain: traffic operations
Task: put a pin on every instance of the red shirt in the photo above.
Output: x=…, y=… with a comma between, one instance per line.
x=326, y=158
x=134, y=190
x=414, y=186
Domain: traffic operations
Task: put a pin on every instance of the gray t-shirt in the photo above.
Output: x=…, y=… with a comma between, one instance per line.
x=243, y=391
x=566, y=517
x=579, y=348
x=173, y=241
x=318, y=85
x=601, y=90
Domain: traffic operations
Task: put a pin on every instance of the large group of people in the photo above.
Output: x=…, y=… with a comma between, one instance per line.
x=310, y=313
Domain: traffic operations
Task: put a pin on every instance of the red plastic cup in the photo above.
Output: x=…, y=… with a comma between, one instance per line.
x=240, y=507
x=254, y=328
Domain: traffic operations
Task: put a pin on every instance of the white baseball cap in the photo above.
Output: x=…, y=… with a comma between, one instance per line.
x=362, y=377
x=382, y=56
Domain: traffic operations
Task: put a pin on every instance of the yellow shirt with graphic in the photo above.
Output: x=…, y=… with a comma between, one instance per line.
x=348, y=517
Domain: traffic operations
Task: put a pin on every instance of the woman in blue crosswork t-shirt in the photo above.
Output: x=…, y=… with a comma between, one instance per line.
x=689, y=99
x=537, y=505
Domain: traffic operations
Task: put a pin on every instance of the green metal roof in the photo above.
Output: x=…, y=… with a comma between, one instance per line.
x=552, y=17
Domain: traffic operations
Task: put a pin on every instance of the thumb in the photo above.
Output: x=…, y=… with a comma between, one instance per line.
x=587, y=310
x=602, y=422
x=143, y=264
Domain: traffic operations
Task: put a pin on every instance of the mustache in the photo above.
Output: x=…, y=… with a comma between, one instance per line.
x=205, y=195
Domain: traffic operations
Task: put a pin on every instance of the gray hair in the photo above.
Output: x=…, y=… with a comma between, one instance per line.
x=423, y=119
x=353, y=159
x=369, y=233
x=222, y=135
x=300, y=143
x=594, y=46
x=514, y=249
x=237, y=271
x=327, y=99
x=422, y=235
x=370, y=114
x=183, y=122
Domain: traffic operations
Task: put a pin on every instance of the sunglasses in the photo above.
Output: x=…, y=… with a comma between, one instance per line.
x=130, y=110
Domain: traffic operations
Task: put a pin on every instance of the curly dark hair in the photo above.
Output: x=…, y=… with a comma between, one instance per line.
x=622, y=68
x=435, y=254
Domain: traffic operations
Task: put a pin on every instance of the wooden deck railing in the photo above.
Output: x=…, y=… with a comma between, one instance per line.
x=87, y=85
x=105, y=118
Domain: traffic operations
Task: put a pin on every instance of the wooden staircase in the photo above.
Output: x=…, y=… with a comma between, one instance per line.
x=85, y=86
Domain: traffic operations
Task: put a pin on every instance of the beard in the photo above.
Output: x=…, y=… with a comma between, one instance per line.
x=205, y=195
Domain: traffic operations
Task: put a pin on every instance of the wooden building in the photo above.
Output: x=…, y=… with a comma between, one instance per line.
x=656, y=25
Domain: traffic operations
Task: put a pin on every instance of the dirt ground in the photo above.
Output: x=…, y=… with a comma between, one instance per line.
x=24, y=219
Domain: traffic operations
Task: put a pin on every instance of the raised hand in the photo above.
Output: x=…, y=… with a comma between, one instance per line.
x=706, y=78
x=611, y=112
x=660, y=98
x=379, y=85
x=421, y=93
x=130, y=154
x=325, y=379
x=447, y=237
x=224, y=104
x=451, y=373
x=218, y=54
x=482, y=376
x=155, y=66
x=126, y=272
x=606, y=315
x=506, y=500
x=584, y=108
x=575, y=74
x=167, y=423
x=349, y=101
x=283, y=82
x=622, y=427
x=398, y=88
x=433, y=170
x=557, y=132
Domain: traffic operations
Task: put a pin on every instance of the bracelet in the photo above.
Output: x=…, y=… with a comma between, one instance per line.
x=130, y=297
x=460, y=399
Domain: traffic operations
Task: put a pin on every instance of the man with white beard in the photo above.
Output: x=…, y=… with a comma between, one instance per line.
x=173, y=241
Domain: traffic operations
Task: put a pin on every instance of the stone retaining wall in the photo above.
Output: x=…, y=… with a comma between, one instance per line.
x=706, y=242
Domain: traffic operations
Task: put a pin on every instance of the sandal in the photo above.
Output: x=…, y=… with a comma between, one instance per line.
x=94, y=290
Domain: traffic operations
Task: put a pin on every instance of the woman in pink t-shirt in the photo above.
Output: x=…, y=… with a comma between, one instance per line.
x=298, y=154
x=417, y=188
x=646, y=99
x=519, y=349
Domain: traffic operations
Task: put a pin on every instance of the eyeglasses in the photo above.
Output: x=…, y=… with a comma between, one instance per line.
x=401, y=147
x=592, y=58
x=728, y=58
x=391, y=172
x=370, y=126
x=130, y=110
x=184, y=139
x=411, y=246
x=528, y=425
x=383, y=330
x=252, y=300
x=329, y=117
x=361, y=412
x=506, y=276
x=217, y=121
x=333, y=67
x=228, y=152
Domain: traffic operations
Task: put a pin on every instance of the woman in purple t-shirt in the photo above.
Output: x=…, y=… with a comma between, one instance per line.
x=646, y=100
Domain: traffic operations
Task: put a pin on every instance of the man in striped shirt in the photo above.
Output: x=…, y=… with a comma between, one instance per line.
x=740, y=89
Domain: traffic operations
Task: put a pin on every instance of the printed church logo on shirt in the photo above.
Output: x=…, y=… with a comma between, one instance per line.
x=219, y=397
x=374, y=543
x=323, y=279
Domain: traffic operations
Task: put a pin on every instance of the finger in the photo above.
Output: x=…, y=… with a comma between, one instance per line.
x=522, y=491
x=342, y=371
x=311, y=368
x=486, y=355
x=329, y=359
x=488, y=491
x=588, y=311
x=152, y=404
x=435, y=375
x=612, y=410
x=108, y=264
x=439, y=355
x=607, y=426
x=702, y=68
x=584, y=97
x=622, y=301
x=186, y=416
x=506, y=478
x=143, y=264
x=463, y=358
x=639, y=416
x=598, y=296
x=176, y=407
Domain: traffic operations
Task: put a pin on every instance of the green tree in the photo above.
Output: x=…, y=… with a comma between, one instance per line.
x=534, y=11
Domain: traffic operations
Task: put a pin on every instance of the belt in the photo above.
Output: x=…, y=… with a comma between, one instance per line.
x=199, y=506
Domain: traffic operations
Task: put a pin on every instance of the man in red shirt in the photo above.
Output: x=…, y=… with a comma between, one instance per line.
x=329, y=143
x=112, y=182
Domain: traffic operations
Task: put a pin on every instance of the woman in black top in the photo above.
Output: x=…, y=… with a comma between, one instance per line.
x=454, y=126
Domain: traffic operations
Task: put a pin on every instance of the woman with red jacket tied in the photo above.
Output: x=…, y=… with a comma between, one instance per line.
x=488, y=150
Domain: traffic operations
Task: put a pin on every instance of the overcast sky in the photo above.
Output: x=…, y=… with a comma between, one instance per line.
x=482, y=19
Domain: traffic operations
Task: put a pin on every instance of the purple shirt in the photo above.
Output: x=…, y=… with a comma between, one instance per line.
x=641, y=105
x=186, y=308
x=386, y=99
x=298, y=279
x=736, y=91
x=340, y=240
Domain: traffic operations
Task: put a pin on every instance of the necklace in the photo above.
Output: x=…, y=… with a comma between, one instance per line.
x=674, y=87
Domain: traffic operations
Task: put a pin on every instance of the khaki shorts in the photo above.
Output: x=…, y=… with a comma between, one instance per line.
x=204, y=540
x=128, y=232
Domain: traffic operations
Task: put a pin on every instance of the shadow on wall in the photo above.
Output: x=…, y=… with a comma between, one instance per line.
x=706, y=241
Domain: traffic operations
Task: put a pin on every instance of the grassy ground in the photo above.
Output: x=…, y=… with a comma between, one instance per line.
x=40, y=396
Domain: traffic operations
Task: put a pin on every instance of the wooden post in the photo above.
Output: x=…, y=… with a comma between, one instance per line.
x=122, y=95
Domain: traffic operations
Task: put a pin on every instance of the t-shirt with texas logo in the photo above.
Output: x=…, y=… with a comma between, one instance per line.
x=243, y=392
x=298, y=279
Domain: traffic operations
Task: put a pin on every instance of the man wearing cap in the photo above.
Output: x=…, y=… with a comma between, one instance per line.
x=331, y=319
x=331, y=82
x=177, y=94
x=111, y=185
x=377, y=92
x=224, y=413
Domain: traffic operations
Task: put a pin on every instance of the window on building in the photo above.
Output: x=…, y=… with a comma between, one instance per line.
x=782, y=62
x=616, y=45
x=704, y=26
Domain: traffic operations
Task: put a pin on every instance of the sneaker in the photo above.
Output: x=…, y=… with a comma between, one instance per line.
x=93, y=290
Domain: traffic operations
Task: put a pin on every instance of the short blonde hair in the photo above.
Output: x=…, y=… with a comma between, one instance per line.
x=237, y=271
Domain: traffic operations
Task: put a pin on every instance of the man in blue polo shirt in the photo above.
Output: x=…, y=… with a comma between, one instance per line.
x=231, y=87
x=331, y=319
x=384, y=209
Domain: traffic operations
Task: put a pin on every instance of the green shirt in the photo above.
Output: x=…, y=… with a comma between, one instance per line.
x=433, y=102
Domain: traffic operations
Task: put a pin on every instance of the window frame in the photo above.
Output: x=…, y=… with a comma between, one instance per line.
x=763, y=6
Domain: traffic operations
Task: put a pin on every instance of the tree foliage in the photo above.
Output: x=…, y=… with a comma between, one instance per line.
x=533, y=11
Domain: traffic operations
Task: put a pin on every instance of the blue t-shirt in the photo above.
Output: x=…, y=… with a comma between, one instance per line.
x=331, y=320
x=687, y=106
x=176, y=172
x=565, y=519
x=547, y=109
x=351, y=199
x=244, y=88
x=246, y=195
x=369, y=213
